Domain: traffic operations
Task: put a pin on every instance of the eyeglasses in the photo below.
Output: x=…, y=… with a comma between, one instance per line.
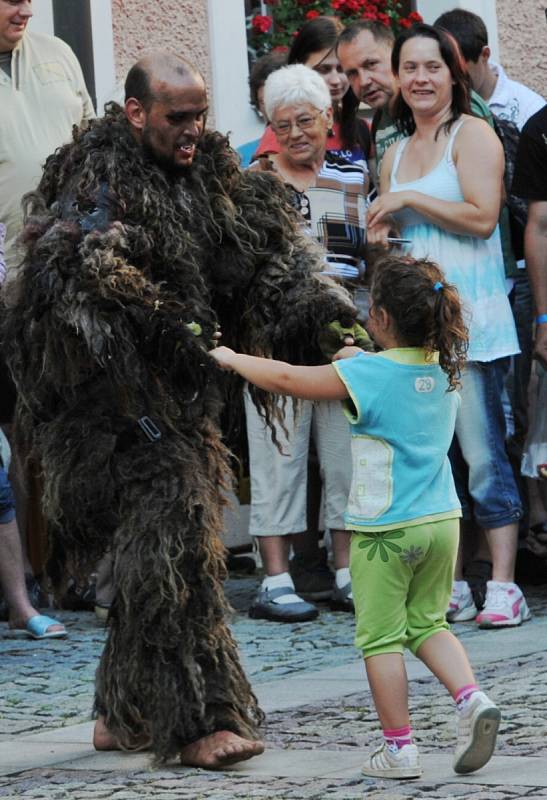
x=303, y=123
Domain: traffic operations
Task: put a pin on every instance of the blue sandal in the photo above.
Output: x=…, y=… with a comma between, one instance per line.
x=37, y=628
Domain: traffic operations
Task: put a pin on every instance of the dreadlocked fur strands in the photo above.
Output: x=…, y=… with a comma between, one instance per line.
x=121, y=258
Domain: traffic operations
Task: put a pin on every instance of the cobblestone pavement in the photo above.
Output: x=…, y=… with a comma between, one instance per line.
x=47, y=685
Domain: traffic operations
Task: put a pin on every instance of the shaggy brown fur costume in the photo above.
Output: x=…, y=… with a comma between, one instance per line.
x=121, y=259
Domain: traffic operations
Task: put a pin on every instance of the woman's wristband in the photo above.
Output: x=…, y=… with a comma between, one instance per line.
x=541, y=319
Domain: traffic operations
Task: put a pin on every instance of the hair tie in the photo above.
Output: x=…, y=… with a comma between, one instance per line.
x=438, y=286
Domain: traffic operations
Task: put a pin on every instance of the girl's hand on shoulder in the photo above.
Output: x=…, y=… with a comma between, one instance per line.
x=223, y=356
x=347, y=351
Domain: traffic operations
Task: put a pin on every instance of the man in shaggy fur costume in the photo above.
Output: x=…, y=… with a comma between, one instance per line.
x=143, y=239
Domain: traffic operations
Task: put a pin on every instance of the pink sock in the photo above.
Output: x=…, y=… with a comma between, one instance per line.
x=465, y=693
x=398, y=737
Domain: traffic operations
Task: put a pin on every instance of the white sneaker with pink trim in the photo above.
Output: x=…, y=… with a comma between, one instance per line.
x=478, y=723
x=504, y=606
x=462, y=607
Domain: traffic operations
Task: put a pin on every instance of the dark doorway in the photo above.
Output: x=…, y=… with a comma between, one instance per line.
x=72, y=24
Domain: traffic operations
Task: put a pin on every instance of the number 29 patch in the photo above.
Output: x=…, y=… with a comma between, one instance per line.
x=426, y=384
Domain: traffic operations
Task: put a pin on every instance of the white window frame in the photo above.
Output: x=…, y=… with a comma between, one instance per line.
x=103, y=53
x=230, y=72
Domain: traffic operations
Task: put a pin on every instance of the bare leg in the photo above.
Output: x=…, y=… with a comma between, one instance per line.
x=483, y=550
x=340, y=548
x=274, y=551
x=503, y=544
x=445, y=656
x=18, y=480
x=389, y=686
x=12, y=579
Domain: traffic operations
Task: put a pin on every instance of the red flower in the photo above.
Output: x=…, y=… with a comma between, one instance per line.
x=405, y=23
x=281, y=48
x=415, y=17
x=384, y=19
x=261, y=23
x=312, y=14
x=372, y=15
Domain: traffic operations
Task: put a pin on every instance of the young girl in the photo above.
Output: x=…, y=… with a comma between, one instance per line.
x=403, y=509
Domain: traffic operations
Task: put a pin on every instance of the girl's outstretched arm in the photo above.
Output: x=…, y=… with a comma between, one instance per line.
x=306, y=383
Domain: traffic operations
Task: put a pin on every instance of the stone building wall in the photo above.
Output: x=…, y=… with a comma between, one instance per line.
x=522, y=31
x=178, y=25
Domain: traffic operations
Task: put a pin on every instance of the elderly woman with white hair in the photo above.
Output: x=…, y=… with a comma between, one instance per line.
x=330, y=194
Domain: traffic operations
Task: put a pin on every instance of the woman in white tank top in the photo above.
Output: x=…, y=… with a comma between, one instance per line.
x=443, y=185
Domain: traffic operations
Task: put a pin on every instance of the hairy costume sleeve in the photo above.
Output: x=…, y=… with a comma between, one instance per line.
x=265, y=271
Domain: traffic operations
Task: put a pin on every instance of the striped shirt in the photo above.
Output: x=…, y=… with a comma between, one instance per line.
x=334, y=212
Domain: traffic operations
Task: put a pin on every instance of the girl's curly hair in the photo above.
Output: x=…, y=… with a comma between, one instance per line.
x=427, y=310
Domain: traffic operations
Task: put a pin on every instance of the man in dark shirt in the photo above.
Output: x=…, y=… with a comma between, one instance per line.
x=530, y=182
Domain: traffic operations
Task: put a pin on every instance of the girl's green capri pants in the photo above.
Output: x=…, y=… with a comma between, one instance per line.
x=402, y=582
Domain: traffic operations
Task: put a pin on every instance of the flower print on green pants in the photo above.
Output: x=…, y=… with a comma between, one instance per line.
x=402, y=581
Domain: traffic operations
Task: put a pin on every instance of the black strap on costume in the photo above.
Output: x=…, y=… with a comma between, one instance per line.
x=134, y=431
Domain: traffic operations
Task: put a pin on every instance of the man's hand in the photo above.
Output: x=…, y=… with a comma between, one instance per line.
x=223, y=356
x=347, y=352
x=540, y=347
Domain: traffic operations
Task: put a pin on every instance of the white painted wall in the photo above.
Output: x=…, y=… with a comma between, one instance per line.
x=230, y=72
x=486, y=9
x=42, y=20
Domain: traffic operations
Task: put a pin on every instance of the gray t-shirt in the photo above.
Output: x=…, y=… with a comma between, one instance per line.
x=5, y=63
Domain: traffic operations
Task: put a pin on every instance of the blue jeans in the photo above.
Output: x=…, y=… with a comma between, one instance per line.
x=484, y=479
x=521, y=365
x=7, y=503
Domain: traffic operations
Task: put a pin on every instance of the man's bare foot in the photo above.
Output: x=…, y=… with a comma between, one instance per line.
x=219, y=750
x=102, y=738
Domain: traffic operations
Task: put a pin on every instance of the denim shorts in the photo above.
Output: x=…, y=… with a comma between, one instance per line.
x=7, y=501
x=484, y=479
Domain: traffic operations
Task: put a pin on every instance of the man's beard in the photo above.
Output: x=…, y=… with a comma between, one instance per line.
x=166, y=163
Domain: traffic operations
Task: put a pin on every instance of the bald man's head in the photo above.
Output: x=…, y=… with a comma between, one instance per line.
x=147, y=76
x=166, y=107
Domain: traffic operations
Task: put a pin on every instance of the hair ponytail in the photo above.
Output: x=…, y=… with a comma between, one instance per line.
x=427, y=310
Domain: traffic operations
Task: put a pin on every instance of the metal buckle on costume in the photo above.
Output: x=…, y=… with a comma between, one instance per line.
x=150, y=430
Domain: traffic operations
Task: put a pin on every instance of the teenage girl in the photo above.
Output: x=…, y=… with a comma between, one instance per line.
x=403, y=509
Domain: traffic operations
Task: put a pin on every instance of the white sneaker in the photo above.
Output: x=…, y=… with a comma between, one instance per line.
x=478, y=724
x=387, y=763
x=462, y=606
x=504, y=606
